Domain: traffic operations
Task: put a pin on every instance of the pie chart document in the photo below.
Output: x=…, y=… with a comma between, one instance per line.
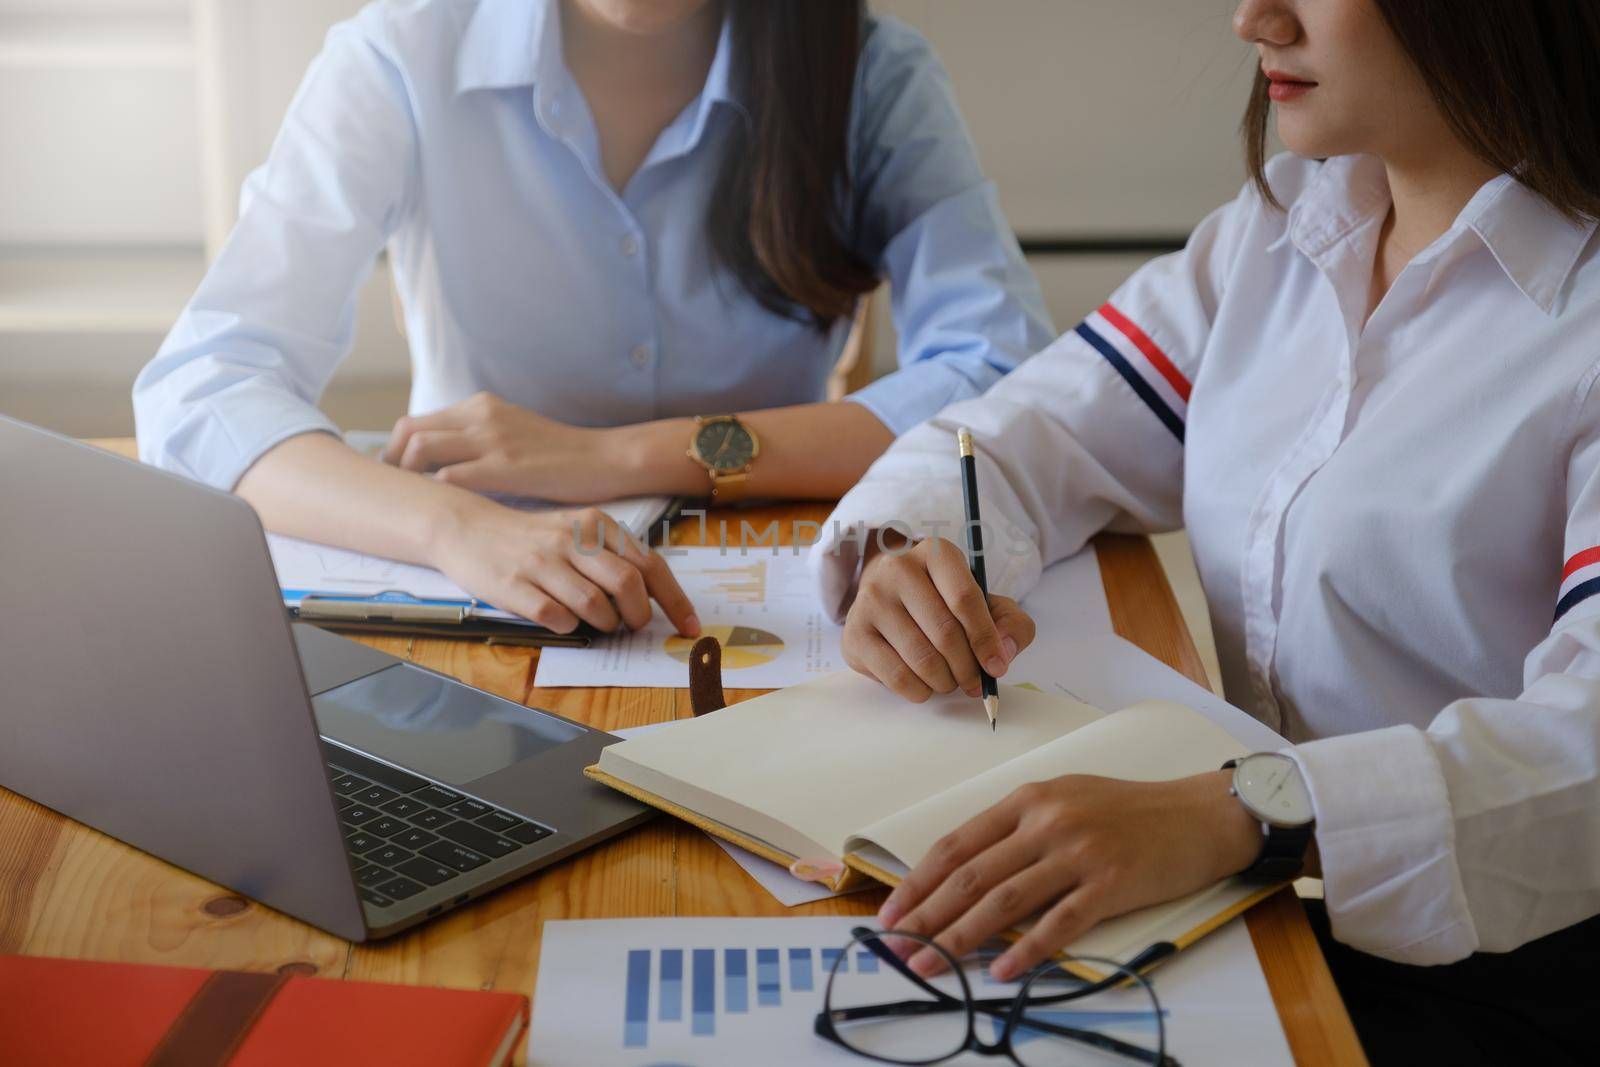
x=759, y=603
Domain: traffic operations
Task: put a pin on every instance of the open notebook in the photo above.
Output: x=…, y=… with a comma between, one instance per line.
x=842, y=770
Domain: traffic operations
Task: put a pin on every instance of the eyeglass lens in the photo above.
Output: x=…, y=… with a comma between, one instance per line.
x=1112, y=1027
x=879, y=1011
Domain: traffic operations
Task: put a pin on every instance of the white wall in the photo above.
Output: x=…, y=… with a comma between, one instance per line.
x=126, y=125
x=1094, y=118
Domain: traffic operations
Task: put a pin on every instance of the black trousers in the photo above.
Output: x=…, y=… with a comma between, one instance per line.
x=1537, y=1005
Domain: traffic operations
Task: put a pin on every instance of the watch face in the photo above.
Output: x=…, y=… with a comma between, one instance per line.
x=1271, y=787
x=725, y=444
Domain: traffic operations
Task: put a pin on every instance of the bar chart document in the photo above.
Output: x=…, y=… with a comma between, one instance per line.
x=761, y=605
x=713, y=992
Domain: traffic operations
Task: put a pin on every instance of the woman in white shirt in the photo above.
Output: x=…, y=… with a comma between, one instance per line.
x=1366, y=388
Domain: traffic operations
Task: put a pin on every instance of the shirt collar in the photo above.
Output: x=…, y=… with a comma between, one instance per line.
x=1535, y=245
x=508, y=43
x=513, y=43
x=1346, y=192
x=719, y=88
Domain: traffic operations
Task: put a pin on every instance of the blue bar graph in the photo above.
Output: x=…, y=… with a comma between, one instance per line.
x=768, y=989
x=671, y=984
x=800, y=970
x=686, y=993
x=735, y=972
x=866, y=962
x=703, y=1018
x=636, y=1011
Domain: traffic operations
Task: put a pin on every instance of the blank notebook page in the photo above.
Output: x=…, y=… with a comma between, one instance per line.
x=805, y=767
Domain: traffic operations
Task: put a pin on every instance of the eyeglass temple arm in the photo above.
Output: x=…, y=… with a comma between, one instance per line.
x=875, y=945
x=1148, y=958
x=898, y=1009
x=1100, y=1041
x=1136, y=966
x=909, y=1008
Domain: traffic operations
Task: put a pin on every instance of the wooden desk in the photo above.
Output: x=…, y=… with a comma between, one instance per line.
x=66, y=890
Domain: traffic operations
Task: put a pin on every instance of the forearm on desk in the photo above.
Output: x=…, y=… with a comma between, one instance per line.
x=316, y=487
x=808, y=452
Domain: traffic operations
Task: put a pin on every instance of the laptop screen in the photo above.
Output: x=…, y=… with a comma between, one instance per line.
x=436, y=726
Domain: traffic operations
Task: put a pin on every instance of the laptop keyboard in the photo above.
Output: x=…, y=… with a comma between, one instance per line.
x=407, y=833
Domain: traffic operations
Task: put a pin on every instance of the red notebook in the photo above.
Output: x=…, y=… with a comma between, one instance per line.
x=69, y=1012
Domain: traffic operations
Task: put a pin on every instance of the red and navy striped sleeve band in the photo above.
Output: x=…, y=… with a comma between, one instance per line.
x=1154, y=378
x=1580, y=580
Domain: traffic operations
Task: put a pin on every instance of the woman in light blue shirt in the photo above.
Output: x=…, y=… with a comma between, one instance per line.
x=604, y=217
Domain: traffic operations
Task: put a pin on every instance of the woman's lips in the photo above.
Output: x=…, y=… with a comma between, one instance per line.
x=1285, y=88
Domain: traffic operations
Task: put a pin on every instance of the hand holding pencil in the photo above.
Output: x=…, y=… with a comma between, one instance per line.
x=921, y=623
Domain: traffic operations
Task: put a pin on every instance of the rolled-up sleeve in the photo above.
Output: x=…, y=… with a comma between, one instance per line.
x=244, y=366
x=1480, y=832
x=966, y=307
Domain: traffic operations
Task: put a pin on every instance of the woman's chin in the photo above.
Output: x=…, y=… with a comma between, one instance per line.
x=1304, y=136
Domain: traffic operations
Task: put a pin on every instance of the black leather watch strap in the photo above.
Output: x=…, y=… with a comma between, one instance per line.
x=1282, y=855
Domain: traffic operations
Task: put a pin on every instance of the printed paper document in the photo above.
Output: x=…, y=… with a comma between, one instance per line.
x=713, y=992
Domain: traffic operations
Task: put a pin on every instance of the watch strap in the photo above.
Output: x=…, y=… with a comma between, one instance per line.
x=731, y=487
x=1283, y=853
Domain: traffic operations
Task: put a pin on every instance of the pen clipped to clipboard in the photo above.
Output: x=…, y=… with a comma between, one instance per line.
x=391, y=605
x=353, y=593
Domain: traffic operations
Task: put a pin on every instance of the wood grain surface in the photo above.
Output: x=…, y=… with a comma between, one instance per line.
x=66, y=890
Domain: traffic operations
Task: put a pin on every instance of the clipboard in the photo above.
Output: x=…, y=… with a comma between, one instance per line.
x=352, y=592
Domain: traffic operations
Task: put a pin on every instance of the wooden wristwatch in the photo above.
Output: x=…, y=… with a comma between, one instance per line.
x=727, y=449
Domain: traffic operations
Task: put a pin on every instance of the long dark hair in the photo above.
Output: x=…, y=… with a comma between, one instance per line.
x=1519, y=85
x=777, y=213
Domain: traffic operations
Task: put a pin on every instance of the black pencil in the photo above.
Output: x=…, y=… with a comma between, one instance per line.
x=969, y=486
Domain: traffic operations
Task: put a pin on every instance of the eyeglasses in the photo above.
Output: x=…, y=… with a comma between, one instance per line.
x=877, y=1007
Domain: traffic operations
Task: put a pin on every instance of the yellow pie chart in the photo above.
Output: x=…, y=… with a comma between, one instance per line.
x=742, y=646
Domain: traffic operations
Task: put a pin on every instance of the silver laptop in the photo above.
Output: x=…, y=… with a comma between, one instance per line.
x=152, y=686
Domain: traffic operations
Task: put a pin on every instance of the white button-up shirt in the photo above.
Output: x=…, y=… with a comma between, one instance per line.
x=1395, y=520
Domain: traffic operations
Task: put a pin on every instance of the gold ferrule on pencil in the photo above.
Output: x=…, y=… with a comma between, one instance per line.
x=964, y=439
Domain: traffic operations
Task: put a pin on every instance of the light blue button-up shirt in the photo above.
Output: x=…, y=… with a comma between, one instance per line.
x=451, y=133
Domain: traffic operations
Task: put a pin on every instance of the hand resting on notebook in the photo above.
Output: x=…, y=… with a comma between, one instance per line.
x=1073, y=850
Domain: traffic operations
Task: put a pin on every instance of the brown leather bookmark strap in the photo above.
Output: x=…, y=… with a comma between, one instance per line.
x=705, y=677
x=214, y=1023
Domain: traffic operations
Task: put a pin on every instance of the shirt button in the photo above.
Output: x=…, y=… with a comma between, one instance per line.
x=640, y=355
x=630, y=246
